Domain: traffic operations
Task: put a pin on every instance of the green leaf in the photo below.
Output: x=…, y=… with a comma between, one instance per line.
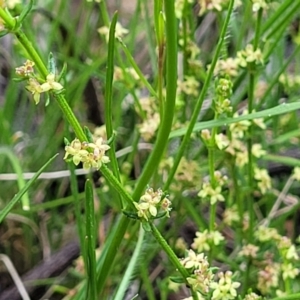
x=130, y=214
x=267, y=113
x=88, y=134
x=27, y=9
x=62, y=73
x=177, y=279
x=286, y=160
x=19, y=195
x=51, y=64
x=146, y=226
x=20, y=79
x=47, y=101
x=66, y=141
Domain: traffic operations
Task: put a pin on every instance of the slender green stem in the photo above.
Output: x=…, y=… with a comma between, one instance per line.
x=288, y=297
x=111, y=250
x=115, y=183
x=252, y=78
x=27, y=45
x=70, y=117
x=172, y=256
x=90, y=239
x=171, y=83
x=201, y=98
x=77, y=208
x=109, y=99
x=257, y=29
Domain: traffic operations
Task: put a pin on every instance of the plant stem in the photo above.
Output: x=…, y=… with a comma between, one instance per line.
x=172, y=256
x=109, y=100
x=252, y=78
x=200, y=99
x=162, y=140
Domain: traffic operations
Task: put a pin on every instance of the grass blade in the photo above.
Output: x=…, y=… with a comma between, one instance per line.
x=19, y=195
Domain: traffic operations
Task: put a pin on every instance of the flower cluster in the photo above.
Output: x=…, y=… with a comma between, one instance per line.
x=223, y=93
x=151, y=118
x=208, y=5
x=290, y=82
x=151, y=203
x=204, y=240
x=189, y=49
x=179, y=6
x=269, y=275
x=259, y=4
x=187, y=174
x=249, y=250
x=213, y=193
x=227, y=67
x=236, y=146
x=34, y=86
x=92, y=155
x=202, y=275
x=225, y=289
x=10, y=4
x=296, y=173
x=128, y=76
x=252, y=296
x=231, y=215
x=263, y=179
x=149, y=126
x=249, y=55
x=190, y=86
x=120, y=31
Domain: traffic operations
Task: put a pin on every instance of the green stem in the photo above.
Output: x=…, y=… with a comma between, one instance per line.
x=172, y=256
x=288, y=297
x=70, y=117
x=171, y=83
x=109, y=100
x=252, y=78
x=90, y=242
x=112, y=249
x=115, y=183
x=200, y=99
x=27, y=45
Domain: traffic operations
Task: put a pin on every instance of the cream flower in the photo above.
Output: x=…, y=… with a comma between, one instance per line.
x=51, y=84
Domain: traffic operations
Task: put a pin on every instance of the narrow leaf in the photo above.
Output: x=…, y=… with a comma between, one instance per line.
x=19, y=195
x=274, y=111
